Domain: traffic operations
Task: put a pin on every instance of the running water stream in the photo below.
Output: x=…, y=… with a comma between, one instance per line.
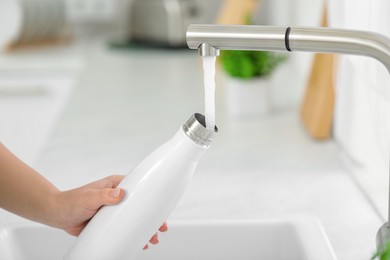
x=209, y=87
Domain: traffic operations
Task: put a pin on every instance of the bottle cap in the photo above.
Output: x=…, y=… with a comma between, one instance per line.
x=195, y=129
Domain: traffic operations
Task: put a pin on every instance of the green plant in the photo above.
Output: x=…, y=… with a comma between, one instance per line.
x=249, y=64
x=385, y=255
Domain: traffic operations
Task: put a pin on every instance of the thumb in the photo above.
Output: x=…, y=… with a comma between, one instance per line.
x=107, y=196
x=115, y=195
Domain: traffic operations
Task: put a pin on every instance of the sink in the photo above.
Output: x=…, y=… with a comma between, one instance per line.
x=292, y=239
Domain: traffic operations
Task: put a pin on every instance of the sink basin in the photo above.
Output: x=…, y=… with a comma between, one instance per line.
x=292, y=239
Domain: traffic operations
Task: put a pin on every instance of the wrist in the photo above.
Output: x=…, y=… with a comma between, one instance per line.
x=54, y=209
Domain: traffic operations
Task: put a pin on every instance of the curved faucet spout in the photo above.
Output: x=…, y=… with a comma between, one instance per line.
x=328, y=40
x=274, y=38
x=206, y=37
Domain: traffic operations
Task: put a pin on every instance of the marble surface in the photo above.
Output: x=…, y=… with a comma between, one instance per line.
x=128, y=102
x=29, y=109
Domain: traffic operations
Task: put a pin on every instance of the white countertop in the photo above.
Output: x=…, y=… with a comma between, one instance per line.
x=128, y=102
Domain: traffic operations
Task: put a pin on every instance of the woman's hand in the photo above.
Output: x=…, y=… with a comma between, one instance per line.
x=26, y=193
x=154, y=239
x=76, y=207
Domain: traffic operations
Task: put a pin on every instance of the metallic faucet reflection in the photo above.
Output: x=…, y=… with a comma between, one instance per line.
x=210, y=39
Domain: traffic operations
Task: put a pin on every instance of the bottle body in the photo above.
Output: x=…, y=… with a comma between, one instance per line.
x=152, y=189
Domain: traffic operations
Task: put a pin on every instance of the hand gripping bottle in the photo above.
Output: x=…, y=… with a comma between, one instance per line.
x=153, y=189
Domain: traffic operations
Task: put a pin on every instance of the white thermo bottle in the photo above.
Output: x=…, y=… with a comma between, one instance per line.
x=153, y=189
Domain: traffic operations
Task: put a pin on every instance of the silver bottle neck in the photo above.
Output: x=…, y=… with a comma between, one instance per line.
x=195, y=129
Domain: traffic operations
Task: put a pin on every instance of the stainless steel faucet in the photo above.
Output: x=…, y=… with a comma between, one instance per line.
x=210, y=39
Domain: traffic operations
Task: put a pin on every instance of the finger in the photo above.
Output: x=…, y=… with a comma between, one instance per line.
x=164, y=227
x=114, y=180
x=154, y=239
x=111, y=196
x=108, y=182
x=107, y=196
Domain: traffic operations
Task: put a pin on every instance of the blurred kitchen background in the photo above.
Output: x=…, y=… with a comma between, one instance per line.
x=89, y=87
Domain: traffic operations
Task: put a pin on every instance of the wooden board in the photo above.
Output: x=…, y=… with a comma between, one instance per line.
x=48, y=42
x=235, y=11
x=318, y=104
